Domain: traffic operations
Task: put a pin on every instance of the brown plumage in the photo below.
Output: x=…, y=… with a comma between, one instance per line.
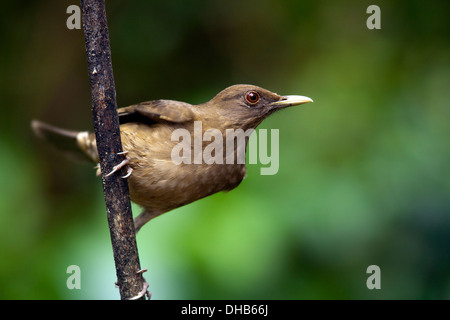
x=156, y=182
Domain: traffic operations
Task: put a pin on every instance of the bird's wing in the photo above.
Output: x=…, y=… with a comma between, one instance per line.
x=157, y=111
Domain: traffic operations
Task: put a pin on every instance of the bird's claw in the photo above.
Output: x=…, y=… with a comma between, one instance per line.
x=124, y=163
x=144, y=291
x=129, y=172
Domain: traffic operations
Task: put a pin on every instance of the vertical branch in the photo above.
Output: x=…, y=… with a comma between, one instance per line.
x=107, y=133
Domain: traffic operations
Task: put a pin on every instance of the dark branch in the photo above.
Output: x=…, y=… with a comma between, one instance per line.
x=107, y=133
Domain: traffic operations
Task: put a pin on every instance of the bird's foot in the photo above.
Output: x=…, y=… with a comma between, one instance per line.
x=124, y=163
x=144, y=291
x=98, y=171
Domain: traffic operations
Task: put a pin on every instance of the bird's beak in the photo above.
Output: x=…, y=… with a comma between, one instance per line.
x=289, y=101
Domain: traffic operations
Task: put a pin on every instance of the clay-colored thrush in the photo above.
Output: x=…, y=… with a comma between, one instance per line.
x=156, y=181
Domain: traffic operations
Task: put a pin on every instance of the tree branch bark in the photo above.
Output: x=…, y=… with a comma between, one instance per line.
x=109, y=145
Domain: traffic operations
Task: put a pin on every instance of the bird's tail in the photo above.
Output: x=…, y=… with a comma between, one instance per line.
x=79, y=145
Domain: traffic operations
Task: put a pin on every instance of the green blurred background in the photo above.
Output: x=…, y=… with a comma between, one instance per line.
x=364, y=170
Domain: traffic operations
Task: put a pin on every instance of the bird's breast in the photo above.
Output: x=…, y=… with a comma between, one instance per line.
x=161, y=183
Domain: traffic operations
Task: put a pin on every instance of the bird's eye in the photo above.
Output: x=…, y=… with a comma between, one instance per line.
x=252, y=97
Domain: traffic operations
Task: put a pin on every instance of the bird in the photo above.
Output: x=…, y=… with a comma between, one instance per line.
x=158, y=182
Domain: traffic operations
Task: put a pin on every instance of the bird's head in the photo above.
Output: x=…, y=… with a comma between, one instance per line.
x=246, y=106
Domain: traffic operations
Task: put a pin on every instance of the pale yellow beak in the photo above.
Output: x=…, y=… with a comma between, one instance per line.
x=289, y=101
